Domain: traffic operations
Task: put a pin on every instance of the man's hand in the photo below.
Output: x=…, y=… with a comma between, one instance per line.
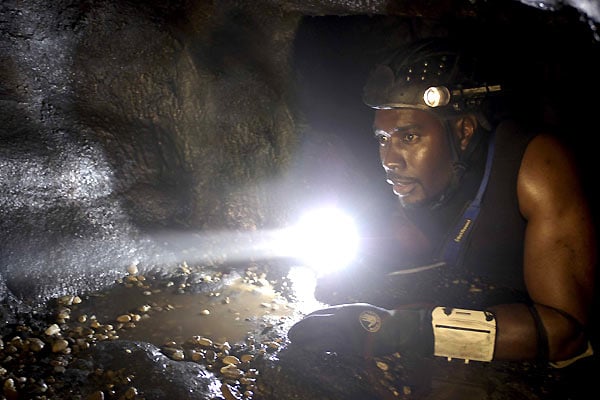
x=364, y=329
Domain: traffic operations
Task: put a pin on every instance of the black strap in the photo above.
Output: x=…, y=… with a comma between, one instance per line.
x=542, y=334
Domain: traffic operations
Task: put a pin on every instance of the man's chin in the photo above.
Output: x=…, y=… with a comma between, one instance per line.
x=410, y=203
x=411, y=206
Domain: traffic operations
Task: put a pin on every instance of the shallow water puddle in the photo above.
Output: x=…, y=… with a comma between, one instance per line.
x=161, y=315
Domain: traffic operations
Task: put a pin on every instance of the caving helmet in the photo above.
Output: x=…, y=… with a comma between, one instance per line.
x=432, y=75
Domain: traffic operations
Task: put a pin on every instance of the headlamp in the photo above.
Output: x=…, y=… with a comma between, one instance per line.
x=436, y=96
x=439, y=96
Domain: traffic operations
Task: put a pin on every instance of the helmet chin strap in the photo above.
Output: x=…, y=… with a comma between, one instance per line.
x=460, y=163
x=458, y=171
x=458, y=167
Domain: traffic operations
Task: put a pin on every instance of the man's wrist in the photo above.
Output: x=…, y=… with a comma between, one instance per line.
x=410, y=331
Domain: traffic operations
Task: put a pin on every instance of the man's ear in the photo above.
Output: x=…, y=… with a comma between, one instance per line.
x=465, y=127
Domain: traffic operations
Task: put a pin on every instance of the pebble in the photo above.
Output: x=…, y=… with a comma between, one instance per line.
x=124, y=318
x=131, y=393
x=196, y=355
x=36, y=344
x=231, y=360
x=202, y=341
x=382, y=366
x=10, y=391
x=99, y=395
x=66, y=300
x=247, y=381
x=52, y=330
x=60, y=345
x=225, y=347
x=144, y=308
x=230, y=393
x=231, y=372
x=132, y=269
x=136, y=317
x=246, y=358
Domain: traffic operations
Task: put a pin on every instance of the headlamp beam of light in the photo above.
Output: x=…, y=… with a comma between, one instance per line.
x=325, y=239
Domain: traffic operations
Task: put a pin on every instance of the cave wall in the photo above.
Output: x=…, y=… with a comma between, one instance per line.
x=120, y=120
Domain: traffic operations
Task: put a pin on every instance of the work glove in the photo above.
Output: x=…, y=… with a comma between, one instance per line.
x=364, y=329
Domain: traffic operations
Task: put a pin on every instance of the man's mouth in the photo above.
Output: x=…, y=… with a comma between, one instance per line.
x=402, y=187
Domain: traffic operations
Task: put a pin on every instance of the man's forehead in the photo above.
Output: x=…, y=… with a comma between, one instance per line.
x=402, y=117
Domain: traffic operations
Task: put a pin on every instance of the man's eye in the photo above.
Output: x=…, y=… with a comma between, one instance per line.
x=382, y=139
x=409, y=137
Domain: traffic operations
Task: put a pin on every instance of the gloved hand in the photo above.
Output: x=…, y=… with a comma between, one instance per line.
x=364, y=329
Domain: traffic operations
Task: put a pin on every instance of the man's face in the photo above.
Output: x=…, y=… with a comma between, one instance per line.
x=415, y=154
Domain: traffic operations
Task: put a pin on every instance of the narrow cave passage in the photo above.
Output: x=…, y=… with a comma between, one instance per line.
x=142, y=135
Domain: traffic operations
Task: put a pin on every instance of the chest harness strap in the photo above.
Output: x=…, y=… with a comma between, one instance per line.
x=462, y=230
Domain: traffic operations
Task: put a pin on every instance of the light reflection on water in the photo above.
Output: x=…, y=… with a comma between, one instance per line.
x=304, y=282
x=239, y=309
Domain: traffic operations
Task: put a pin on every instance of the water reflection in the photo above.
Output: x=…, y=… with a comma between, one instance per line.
x=304, y=282
x=160, y=315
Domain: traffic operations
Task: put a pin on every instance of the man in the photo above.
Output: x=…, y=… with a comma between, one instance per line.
x=478, y=197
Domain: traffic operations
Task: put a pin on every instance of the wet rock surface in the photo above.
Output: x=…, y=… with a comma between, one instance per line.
x=139, y=369
x=112, y=119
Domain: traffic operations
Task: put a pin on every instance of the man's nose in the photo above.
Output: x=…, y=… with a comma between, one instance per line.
x=392, y=160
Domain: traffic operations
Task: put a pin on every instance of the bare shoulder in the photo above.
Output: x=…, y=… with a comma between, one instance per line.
x=548, y=176
x=560, y=252
x=548, y=152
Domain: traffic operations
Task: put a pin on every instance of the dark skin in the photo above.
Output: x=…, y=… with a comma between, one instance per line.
x=560, y=252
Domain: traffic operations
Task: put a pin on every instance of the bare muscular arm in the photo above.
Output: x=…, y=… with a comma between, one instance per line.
x=559, y=259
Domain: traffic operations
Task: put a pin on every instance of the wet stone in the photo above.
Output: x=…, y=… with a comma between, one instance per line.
x=52, y=330
x=231, y=372
x=36, y=344
x=124, y=318
x=60, y=345
x=231, y=360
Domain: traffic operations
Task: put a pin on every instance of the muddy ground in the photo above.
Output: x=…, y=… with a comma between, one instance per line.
x=199, y=333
